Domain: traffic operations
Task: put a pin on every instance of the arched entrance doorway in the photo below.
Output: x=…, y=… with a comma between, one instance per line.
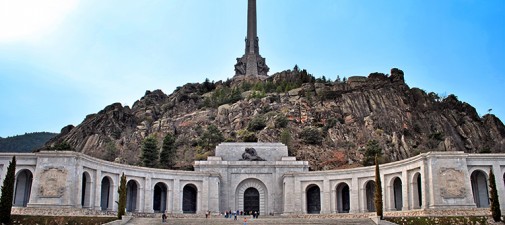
x=313, y=199
x=479, y=189
x=417, y=191
x=343, y=199
x=397, y=194
x=106, y=194
x=160, y=197
x=131, y=196
x=189, y=196
x=370, y=196
x=257, y=194
x=23, y=188
x=86, y=190
x=251, y=200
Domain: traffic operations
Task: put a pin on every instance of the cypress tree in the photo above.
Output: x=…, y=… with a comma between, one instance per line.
x=150, y=153
x=167, y=155
x=8, y=193
x=121, y=208
x=495, y=202
x=378, y=191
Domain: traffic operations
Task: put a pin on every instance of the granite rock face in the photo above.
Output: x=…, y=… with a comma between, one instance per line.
x=405, y=121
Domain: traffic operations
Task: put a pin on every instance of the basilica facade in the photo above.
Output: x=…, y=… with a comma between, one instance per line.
x=254, y=177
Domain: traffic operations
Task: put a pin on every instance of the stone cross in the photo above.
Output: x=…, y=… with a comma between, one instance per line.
x=251, y=63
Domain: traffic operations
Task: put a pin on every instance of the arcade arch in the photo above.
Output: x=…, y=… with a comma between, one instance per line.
x=343, y=198
x=160, y=194
x=313, y=193
x=480, y=192
x=106, y=194
x=132, y=195
x=189, y=198
x=86, y=190
x=370, y=195
x=23, y=188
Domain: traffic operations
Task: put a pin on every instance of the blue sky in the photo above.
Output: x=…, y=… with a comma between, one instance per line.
x=61, y=60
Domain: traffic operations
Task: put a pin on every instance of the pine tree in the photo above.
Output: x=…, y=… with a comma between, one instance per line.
x=150, y=153
x=8, y=193
x=121, y=208
x=378, y=191
x=495, y=202
x=167, y=155
x=211, y=137
x=372, y=150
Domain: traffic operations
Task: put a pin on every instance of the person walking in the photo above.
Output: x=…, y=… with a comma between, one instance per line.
x=164, y=218
x=245, y=220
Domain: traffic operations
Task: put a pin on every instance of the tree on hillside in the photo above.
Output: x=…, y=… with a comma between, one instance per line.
x=168, y=151
x=378, y=191
x=287, y=140
x=495, y=202
x=8, y=193
x=211, y=138
x=372, y=150
x=150, y=153
x=121, y=208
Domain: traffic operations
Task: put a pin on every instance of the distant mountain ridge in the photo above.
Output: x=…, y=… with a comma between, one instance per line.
x=27, y=142
x=328, y=123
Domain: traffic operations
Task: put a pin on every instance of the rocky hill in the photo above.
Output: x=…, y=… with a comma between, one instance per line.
x=328, y=123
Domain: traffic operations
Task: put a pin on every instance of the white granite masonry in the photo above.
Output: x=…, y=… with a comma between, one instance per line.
x=278, y=185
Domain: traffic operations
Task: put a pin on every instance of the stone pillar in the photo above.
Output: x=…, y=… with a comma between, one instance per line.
x=424, y=185
x=117, y=181
x=299, y=196
x=325, y=197
x=213, y=195
x=333, y=202
x=177, y=197
x=252, y=33
x=405, y=191
x=98, y=189
x=354, y=195
x=288, y=194
x=148, y=196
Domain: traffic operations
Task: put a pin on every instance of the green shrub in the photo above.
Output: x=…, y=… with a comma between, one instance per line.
x=311, y=135
x=257, y=123
x=281, y=121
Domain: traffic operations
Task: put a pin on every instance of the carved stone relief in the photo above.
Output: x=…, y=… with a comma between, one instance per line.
x=52, y=182
x=452, y=184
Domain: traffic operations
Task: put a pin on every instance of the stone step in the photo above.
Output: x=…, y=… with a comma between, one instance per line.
x=259, y=221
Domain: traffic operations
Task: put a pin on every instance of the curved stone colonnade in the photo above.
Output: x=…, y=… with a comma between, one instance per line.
x=75, y=180
x=435, y=180
x=280, y=185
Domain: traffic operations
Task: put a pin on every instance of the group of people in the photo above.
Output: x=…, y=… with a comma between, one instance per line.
x=234, y=214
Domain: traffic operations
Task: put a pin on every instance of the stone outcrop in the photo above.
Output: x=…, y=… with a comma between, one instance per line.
x=405, y=121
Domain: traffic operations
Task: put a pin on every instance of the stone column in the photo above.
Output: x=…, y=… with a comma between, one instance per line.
x=288, y=194
x=148, y=196
x=252, y=33
x=117, y=180
x=213, y=195
x=333, y=201
x=325, y=201
x=405, y=191
x=354, y=198
x=177, y=197
x=98, y=189
x=424, y=186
